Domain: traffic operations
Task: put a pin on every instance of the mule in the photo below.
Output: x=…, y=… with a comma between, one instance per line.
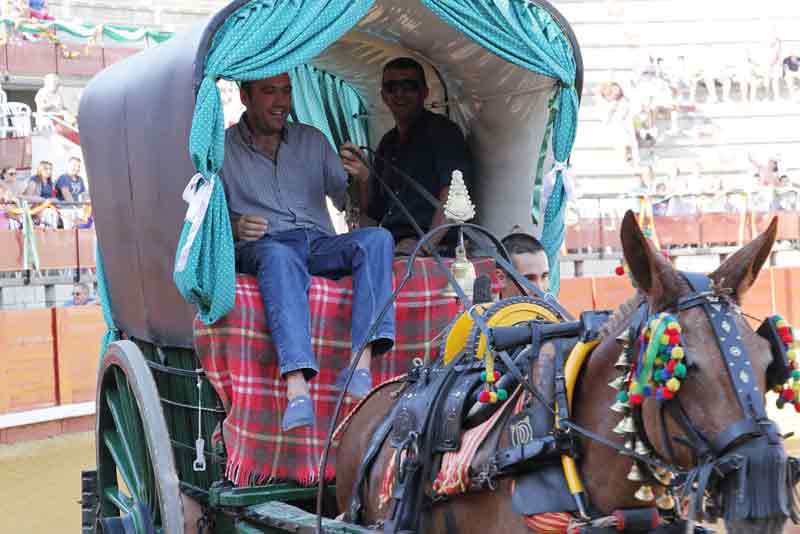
x=707, y=394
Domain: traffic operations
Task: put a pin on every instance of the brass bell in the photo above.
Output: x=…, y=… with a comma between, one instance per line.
x=622, y=362
x=618, y=383
x=624, y=338
x=635, y=474
x=666, y=502
x=641, y=448
x=664, y=477
x=620, y=407
x=625, y=426
x=645, y=493
x=629, y=444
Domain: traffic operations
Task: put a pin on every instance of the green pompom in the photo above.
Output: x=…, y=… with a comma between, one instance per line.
x=502, y=394
x=483, y=376
x=659, y=375
x=796, y=374
x=680, y=371
x=623, y=396
x=636, y=388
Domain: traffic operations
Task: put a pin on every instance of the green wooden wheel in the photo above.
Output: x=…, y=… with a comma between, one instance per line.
x=136, y=477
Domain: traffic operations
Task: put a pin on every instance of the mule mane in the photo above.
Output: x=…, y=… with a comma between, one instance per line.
x=621, y=316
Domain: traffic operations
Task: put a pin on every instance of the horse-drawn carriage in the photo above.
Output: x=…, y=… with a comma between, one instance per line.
x=174, y=427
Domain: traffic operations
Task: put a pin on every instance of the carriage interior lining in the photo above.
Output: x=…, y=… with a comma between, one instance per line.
x=501, y=107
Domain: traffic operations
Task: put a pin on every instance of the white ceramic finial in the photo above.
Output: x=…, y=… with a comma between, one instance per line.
x=459, y=207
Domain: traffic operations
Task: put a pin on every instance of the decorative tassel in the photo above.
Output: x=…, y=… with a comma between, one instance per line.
x=618, y=383
x=665, y=502
x=645, y=493
x=635, y=474
x=641, y=448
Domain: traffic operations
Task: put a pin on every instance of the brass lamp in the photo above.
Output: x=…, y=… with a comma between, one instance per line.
x=459, y=209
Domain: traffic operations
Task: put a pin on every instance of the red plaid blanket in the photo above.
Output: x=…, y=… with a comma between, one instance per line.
x=239, y=359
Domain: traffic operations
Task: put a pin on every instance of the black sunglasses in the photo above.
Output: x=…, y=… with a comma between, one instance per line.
x=409, y=86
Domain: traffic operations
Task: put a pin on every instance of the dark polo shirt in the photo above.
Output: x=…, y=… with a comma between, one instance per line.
x=434, y=149
x=291, y=191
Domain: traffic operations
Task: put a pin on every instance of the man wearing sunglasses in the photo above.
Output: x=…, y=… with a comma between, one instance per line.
x=427, y=146
x=529, y=259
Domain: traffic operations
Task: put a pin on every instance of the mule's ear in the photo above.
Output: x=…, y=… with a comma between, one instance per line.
x=652, y=272
x=739, y=272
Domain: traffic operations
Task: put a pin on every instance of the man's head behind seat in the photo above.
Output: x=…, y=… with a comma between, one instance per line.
x=404, y=88
x=529, y=259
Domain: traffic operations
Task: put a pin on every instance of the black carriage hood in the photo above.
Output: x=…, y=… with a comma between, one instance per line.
x=134, y=120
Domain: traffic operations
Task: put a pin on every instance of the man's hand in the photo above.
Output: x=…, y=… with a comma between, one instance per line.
x=353, y=162
x=250, y=228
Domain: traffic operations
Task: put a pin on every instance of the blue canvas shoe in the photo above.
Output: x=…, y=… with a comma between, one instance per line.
x=360, y=384
x=299, y=412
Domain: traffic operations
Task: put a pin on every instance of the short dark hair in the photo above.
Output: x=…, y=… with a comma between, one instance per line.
x=75, y=158
x=521, y=243
x=407, y=63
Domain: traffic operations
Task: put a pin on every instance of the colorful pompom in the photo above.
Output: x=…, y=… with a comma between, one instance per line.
x=679, y=371
x=677, y=353
x=787, y=394
x=502, y=394
x=484, y=397
x=636, y=399
x=492, y=397
x=647, y=390
x=623, y=396
x=619, y=270
x=673, y=384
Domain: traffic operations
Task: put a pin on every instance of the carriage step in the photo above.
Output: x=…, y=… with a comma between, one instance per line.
x=282, y=517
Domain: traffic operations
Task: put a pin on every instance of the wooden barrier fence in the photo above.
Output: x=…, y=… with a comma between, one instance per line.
x=48, y=357
x=687, y=230
x=58, y=249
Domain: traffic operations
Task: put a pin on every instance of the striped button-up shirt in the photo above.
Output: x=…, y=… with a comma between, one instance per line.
x=290, y=191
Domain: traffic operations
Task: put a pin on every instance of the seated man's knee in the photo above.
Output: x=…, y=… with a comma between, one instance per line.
x=276, y=253
x=378, y=238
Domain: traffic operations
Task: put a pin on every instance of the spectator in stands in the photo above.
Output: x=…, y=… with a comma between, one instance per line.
x=48, y=102
x=791, y=73
x=425, y=145
x=772, y=68
x=70, y=186
x=619, y=121
x=529, y=259
x=10, y=186
x=284, y=235
x=41, y=184
x=81, y=296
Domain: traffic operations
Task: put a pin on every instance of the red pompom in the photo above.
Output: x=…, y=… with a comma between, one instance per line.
x=797, y=407
x=636, y=398
x=619, y=270
x=675, y=339
x=484, y=397
x=788, y=394
x=667, y=394
x=496, y=376
x=671, y=366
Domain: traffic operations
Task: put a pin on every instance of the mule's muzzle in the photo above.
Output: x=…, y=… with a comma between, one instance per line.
x=753, y=481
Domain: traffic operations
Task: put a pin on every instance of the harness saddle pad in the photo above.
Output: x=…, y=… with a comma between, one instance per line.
x=240, y=361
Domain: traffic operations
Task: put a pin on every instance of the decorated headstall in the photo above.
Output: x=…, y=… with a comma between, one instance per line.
x=659, y=366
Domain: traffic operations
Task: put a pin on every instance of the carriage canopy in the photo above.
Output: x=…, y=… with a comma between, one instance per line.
x=507, y=71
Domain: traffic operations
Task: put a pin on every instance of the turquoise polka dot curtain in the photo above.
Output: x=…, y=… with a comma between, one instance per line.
x=327, y=102
x=526, y=35
x=262, y=38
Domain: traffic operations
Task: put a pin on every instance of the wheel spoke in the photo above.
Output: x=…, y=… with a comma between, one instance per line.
x=116, y=446
x=120, y=500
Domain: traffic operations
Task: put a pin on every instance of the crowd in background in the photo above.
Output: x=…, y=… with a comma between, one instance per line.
x=666, y=87
x=61, y=202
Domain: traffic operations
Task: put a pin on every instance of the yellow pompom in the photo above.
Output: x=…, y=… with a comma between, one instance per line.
x=676, y=353
x=658, y=361
x=781, y=323
x=492, y=397
x=792, y=355
x=674, y=326
x=490, y=377
x=664, y=339
x=796, y=387
x=673, y=384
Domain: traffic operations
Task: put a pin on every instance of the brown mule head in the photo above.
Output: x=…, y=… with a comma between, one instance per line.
x=707, y=393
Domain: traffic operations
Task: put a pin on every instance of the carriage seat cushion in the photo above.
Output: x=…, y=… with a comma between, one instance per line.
x=240, y=361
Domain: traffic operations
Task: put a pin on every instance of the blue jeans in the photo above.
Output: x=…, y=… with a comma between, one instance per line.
x=283, y=263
